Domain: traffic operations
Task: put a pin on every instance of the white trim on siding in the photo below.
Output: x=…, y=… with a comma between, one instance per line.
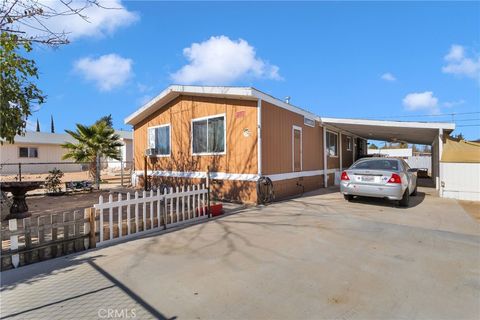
x=234, y=176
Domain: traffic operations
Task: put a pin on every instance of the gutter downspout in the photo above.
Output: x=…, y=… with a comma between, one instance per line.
x=259, y=137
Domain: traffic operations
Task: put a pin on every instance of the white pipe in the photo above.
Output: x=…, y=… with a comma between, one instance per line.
x=259, y=137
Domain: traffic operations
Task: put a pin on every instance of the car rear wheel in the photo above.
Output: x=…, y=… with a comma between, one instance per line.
x=348, y=197
x=405, y=199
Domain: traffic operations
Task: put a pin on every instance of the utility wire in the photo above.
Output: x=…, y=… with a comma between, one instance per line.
x=458, y=120
x=429, y=115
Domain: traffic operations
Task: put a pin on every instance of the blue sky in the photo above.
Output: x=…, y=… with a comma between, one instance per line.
x=367, y=60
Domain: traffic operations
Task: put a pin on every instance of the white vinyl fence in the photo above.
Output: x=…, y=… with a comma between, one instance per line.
x=420, y=162
x=152, y=211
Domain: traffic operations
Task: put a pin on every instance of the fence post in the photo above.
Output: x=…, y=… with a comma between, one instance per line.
x=12, y=226
x=19, y=171
x=92, y=239
x=86, y=227
x=208, y=191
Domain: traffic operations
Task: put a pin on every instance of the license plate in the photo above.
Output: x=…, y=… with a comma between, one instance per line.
x=368, y=179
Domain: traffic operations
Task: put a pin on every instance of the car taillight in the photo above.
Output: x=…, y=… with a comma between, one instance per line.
x=395, y=178
x=345, y=176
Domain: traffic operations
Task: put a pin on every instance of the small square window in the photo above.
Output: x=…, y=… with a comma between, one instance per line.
x=23, y=152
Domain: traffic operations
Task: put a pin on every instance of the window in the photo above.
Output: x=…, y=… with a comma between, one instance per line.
x=332, y=143
x=159, y=139
x=349, y=144
x=28, y=152
x=369, y=164
x=208, y=135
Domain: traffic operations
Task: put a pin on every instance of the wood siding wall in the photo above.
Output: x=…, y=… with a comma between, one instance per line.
x=241, y=149
x=277, y=138
x=241, y=144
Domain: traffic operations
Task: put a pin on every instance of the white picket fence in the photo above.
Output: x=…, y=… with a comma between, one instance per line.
x=150, y=212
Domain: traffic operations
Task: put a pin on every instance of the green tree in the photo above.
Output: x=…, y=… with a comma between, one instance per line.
x=52, y=125
x=22, y=23
x=92, y=143
x=18, y=91
x=107, y=119
x=38, y=126
x=373, y=146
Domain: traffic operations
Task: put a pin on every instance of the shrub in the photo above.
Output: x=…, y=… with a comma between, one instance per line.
x=53, y=181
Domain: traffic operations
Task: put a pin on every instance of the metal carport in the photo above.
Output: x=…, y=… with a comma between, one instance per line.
x=427, y=133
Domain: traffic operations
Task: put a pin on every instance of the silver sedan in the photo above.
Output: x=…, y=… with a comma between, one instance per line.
x=388, y=178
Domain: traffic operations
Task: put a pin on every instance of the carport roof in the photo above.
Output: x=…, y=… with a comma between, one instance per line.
x=393, y=131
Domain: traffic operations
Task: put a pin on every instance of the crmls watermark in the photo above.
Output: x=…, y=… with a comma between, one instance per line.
x=117, y=313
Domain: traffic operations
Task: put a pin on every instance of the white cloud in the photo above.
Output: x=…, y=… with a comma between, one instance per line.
x=421, y=101
x=108, y=71
x=102, y=20
x=451, y=104
x=388, y=77
x=458, y=63
x=220, y=60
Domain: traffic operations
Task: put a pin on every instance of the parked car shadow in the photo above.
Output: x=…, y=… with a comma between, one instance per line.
x=414, y=201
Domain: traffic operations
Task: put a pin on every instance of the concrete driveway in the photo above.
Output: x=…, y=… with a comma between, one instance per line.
x=316, y=257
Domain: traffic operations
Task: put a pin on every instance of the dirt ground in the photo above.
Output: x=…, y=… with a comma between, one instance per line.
x=472, y=207
x=43, y=204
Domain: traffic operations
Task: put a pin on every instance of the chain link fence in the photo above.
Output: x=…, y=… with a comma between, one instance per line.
x=116, y=173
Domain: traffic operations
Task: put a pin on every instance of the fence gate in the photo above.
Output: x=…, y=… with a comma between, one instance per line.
x=124, y=217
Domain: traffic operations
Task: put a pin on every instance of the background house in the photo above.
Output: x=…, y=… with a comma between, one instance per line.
x=39, y=152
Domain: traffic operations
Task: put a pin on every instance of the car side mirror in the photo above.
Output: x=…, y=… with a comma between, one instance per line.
x=412, y=170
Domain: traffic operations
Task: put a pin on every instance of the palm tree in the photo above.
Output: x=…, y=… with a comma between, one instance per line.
x=93, y=142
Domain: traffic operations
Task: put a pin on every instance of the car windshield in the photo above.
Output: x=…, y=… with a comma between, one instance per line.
x=377, y=164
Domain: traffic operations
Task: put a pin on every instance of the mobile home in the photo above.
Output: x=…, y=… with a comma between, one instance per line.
x=239, y=134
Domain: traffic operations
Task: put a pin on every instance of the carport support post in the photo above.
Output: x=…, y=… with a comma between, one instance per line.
x=438, y=179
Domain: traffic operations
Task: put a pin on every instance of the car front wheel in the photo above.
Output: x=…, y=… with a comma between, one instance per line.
x=405, y=199
x=348, y=197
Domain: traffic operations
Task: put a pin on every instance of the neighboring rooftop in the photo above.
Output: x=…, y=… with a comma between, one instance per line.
x=58, y=138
